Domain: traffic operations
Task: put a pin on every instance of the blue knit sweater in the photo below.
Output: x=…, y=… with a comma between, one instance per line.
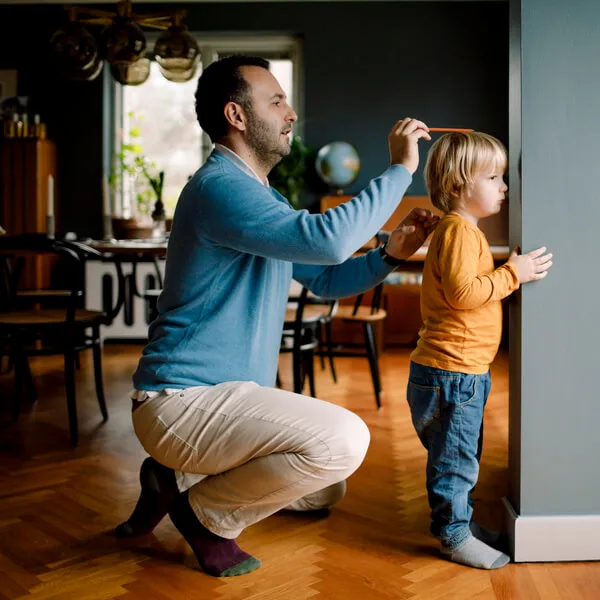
x=234, y=247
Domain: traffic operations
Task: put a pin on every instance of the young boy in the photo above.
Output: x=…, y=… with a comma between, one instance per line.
x=449, y=378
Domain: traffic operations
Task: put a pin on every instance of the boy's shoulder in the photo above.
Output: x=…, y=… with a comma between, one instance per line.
x=452, y=225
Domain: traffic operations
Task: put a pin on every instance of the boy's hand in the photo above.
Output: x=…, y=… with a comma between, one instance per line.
x=531, y=266
x=412, y=232
x=403, y=143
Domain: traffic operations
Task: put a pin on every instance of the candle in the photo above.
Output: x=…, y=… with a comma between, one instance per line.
x=106, y=208
x=50, y=208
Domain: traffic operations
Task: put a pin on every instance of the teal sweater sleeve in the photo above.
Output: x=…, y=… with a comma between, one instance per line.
x=354, y=276
x=248, y=217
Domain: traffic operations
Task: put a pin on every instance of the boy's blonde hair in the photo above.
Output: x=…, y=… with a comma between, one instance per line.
x=454, y=160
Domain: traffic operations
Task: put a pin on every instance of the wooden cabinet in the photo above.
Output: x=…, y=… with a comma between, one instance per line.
x=25, y=165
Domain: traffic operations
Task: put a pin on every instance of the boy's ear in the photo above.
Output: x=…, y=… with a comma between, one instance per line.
x=455, y=192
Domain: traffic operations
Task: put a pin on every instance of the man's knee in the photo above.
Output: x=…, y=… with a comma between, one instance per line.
x=352, y=440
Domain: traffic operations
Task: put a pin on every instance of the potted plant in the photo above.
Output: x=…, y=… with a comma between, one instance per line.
x=147, y=186
x=289, y=176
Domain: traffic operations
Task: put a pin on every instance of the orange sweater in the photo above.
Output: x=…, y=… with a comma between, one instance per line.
x=460, y=299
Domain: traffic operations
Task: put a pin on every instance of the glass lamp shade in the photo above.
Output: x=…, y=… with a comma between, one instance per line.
x=88, y=74
x=123, y=41
x=177, y=50
x=73, y=47
x=131, y=73
x=179, y=76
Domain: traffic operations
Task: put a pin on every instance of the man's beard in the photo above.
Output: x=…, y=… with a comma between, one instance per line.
x=266, y=142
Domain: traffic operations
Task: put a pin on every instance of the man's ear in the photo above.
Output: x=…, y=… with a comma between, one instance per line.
x=235, y=115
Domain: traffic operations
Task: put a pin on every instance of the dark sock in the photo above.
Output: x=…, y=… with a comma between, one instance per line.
x=217, y=556
x=159, y=489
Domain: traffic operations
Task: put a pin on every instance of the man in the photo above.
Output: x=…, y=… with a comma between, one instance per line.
x=227, y=448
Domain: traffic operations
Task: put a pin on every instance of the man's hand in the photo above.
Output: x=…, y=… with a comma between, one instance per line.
x=531, y=266
x=412, y=232
x=403, y=143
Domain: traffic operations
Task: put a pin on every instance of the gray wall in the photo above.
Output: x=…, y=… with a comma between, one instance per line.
x=555, y=408
x=366, y=65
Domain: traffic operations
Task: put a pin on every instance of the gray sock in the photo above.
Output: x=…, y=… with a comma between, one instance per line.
x=475, y=553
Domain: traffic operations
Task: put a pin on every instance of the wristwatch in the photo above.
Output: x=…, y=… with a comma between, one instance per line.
x=388, y=258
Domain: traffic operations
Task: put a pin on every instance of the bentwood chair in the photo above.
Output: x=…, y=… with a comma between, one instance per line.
x=44, y=322
x=366, y=315
x=303, y=319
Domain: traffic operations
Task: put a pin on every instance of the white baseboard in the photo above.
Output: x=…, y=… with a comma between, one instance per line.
x=553, y=538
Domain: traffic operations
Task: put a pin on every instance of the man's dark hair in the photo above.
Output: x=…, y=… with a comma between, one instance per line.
x=220, y=83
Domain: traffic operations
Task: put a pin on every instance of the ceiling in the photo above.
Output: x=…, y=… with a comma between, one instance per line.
x=215, y=1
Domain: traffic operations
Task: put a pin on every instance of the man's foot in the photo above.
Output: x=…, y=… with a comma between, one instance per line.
x=217, y=556
x=474, y=553
x=159, y=489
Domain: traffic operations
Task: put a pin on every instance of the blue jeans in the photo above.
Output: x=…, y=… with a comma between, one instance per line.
x=447, y=413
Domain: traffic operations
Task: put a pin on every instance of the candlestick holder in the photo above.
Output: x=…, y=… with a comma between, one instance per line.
x=107, y=227
x=50, y=226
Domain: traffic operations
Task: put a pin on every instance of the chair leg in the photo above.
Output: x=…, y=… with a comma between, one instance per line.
x=297, y=371
x=320, y=338
x=310, y=370
x=278, y=380
x=97, y=350
x=329, y=342
x=28, y=380
x=18, y=382
x=373, y=360
x=71, y=400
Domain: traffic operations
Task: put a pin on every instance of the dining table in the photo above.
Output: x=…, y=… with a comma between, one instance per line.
x=137, y=267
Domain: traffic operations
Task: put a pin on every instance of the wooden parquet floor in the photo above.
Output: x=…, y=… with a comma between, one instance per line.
x=58, y=507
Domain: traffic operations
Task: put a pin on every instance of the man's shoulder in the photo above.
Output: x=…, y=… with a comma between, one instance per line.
x=221, y=177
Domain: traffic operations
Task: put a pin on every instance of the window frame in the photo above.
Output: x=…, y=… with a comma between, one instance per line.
x=212, y=45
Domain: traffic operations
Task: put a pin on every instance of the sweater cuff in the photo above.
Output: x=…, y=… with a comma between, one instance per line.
x=399, y=170
x=515, y=276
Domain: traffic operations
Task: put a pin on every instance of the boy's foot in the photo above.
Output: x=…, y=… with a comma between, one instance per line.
x=159, y=489
x=475, y=553
x=495, y=539
x=217, y=556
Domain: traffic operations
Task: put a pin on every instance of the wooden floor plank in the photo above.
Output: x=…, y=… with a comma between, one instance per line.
x=59, y=505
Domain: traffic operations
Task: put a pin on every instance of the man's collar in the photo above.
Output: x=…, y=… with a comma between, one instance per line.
x=239, y=162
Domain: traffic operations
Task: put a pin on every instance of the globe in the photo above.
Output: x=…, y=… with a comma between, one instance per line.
x=338, y=164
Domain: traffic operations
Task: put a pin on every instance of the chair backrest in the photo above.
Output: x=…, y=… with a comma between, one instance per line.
x=16, y=250
x=302, y=328
x=300, y=302
x=376, y=300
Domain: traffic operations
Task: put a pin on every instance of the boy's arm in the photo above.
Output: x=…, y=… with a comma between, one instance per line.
x=464, y=288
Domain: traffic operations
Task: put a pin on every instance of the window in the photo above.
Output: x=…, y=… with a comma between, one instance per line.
x=162, y=118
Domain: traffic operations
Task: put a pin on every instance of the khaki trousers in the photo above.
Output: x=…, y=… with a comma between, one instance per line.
x=246, y=451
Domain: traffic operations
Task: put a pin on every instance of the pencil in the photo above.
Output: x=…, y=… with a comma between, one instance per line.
x=449, y=129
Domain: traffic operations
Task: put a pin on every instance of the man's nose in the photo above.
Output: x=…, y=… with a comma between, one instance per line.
x=292, y=117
